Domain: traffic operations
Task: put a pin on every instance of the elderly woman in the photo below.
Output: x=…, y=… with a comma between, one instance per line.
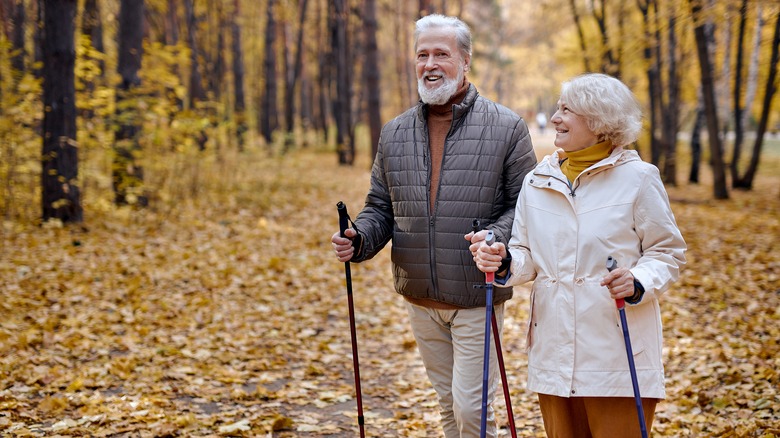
x=589, y=200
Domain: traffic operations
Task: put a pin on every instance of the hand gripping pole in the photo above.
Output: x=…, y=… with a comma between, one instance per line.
x=343, y=225
x=489, y=279
x=621, y=305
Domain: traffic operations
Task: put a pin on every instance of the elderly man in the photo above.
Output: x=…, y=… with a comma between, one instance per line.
x=453, y=158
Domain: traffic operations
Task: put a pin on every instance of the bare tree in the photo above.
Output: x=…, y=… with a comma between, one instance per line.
x=371, y=74
x=20, y=53
x=269, y=121
x=737, y=90
x=342, y=110
x=293, y=75
x=580, y=34
x=746, y=181
x=92, y=25
x=197, y=93
x=60, y=195
x=239, y=100
x=128, y=173
x=710, y=105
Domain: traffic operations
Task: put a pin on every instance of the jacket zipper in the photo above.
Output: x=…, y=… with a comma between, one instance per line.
x=431, y=210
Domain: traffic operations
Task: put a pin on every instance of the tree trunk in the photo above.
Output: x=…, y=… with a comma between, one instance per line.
x=20, y=53
x=371, y=72
x=609, y=64
x=752, y=79
x=724, y=79
x=217, y=76
x=239, y=99
x=60, y=194
x=653, y=80
x=269, y=121
x=323, y=76
x=738, y=128
x=425, y=7
x=409, y=78
x=128, y=174
x=345, y=145
x=671, y=112
x=693, y=176
x=92, y=25
x=720, y=190
x=38, y=39
x=746, y=181
x=294, y=75
x=172, y=23
x=324, y=72
x=197, y=94
x=580, y=34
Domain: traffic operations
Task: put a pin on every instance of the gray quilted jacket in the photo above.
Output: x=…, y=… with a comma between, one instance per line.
x=487, y=153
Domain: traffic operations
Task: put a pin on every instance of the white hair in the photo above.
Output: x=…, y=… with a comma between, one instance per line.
x=609, y=108
x=462, y=30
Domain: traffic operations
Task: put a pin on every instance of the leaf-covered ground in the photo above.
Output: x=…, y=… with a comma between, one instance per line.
x=229, y=318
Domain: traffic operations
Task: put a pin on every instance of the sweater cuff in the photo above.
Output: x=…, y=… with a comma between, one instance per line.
x=639, y=292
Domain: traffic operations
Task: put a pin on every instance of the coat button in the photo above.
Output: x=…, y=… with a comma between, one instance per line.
x=573, y=391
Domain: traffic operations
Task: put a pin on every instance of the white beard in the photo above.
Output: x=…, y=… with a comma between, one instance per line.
x=441, y=94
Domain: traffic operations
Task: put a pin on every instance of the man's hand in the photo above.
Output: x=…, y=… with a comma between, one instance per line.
x=342, y=246
x=487, y=258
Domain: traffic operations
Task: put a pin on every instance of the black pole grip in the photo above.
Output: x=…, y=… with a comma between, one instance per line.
x=476, y=226
x=343, y=217
x=611, y=264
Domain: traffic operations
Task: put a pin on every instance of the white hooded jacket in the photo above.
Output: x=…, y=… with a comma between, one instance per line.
x=561, y=238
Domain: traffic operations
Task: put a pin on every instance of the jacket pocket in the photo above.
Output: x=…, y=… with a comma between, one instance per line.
x=636, y=331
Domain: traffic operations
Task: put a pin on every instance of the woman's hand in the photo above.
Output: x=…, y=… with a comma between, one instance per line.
x=620, y=283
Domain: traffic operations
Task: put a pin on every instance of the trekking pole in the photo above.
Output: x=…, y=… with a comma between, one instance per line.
x=343, y=225
x=489, y=277
x=621, y=304
x=500, y=357
x=507, y=397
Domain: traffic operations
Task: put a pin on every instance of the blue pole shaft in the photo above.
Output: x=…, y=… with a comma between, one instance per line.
x=486, y=361
x=634, y=380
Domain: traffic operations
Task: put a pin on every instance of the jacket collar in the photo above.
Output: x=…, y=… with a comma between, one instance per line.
x=458, y=111
x=550, y=165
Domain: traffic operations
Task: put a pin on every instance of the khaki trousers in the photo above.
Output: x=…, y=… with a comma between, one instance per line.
x=451, y=344
x=596, y=417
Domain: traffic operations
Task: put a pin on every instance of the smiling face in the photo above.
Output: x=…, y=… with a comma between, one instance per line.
x=571, y=130
x=440, y=65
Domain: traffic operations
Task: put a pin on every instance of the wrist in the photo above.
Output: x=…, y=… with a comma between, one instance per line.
x=639, y=292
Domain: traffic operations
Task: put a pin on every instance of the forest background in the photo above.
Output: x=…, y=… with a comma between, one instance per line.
x=169, y=172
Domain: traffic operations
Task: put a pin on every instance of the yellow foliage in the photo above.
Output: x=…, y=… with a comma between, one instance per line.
x=228, y=312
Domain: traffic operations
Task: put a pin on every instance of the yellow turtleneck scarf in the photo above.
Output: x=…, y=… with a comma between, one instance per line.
x=577, y=161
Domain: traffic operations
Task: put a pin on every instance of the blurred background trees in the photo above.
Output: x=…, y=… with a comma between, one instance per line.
x=168, y=94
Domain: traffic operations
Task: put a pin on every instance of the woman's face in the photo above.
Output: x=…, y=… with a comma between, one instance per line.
x=571, y=131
